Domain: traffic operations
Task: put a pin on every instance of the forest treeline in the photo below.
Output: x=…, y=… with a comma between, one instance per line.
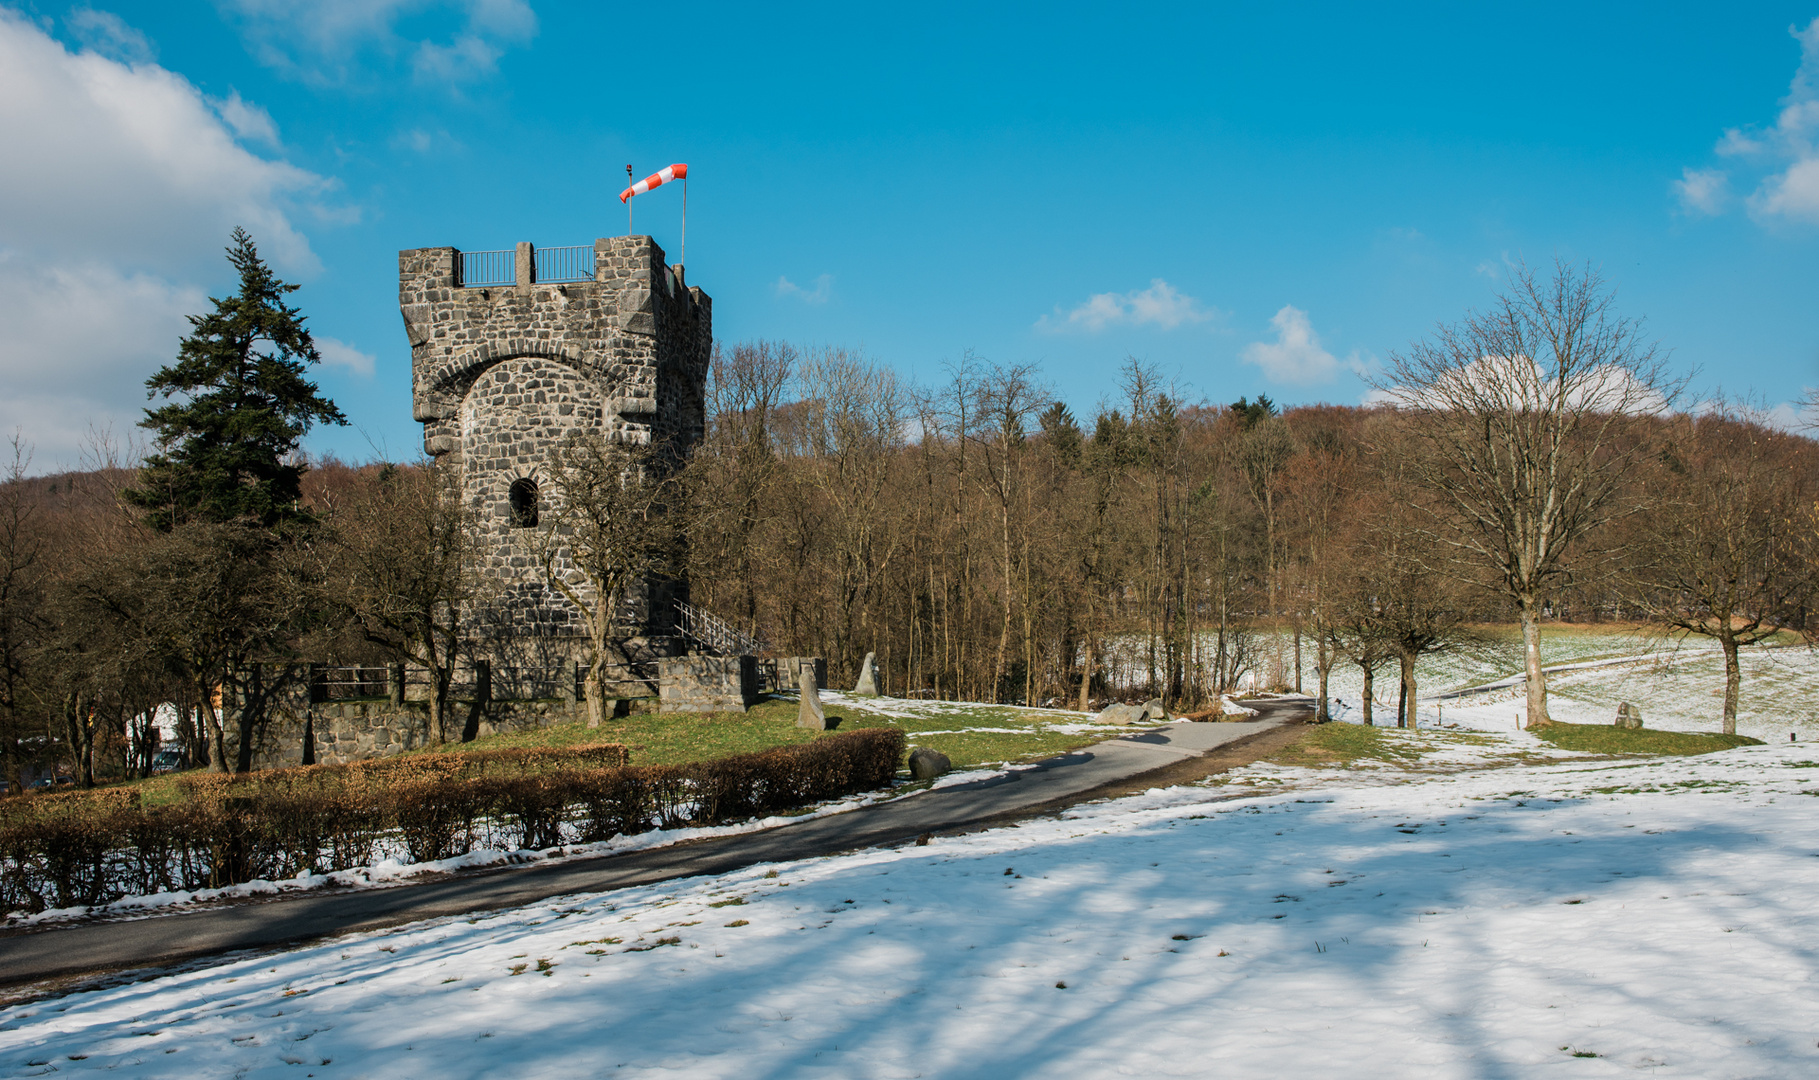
x=1530, y=462
x=987, y=544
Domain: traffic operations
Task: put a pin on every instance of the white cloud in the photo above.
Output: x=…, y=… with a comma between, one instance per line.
x=79, y=344
x=818, y=295
x=336, y=353
x=1784, y=156
x=1519, y=384
x=1703, y=191
x=247, y=120
x=1296, y=356
x=129, y=164
x=120, y=183
x=1159, y=305
x=1793, y=193
x=108, y=34
x=329, y=42
x=1797, y=416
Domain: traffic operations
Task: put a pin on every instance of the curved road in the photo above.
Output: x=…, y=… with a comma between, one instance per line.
x=29, y=955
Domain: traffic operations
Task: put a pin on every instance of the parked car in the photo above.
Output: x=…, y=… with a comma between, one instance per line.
x=166, y=761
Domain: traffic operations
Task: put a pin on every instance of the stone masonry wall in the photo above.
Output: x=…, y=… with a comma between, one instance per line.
x=357, y=730
x=707, y=683
x=500, y=374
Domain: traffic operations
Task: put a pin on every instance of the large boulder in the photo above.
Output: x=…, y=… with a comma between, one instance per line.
x=1629, y=716
x=1153, y=710
x=926, y=764
x=1122, y=714
x=870, y=684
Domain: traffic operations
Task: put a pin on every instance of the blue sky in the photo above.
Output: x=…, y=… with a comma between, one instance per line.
x=1260, y=198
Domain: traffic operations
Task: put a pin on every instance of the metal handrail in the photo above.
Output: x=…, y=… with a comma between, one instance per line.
x=714, y=633
x=563, y=263
x=480, y=268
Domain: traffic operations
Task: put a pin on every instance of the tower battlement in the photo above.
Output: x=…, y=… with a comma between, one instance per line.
x=512, y=350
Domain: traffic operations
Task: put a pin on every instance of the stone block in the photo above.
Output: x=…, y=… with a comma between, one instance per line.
x=870, y=683
x=809, y=714
x=707, y=683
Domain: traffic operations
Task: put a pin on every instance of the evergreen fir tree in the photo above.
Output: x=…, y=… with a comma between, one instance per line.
x=226, y=444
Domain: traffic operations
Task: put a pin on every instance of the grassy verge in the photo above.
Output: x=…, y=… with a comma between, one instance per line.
x=663, y=738
x=970, y=735
x=1328, y=745
x=1616, y=741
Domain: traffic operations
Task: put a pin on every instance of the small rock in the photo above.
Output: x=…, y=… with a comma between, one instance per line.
x=926, y=764
x=1629, y=716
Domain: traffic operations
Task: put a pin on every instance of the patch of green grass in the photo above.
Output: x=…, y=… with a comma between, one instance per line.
x=1009, y=733
x=1345, y=744
x=664, y=738
x=1616, y=741
x=1673, y=786
x=970, y=735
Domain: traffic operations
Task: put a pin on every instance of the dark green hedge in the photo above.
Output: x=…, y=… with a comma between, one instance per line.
x=88, y=848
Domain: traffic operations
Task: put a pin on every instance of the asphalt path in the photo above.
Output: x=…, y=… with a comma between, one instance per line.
x=29, y=955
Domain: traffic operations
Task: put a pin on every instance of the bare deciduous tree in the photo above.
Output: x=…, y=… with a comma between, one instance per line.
x=1723, y=553
x=400, y=565
x=1520, y=416
x=615, y=522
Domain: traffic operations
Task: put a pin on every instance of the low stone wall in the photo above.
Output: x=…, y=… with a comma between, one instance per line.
x=788, y=666
x=302, y=731
x=344, y=731
x=707, y=683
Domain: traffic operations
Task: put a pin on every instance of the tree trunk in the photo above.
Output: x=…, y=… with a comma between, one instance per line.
x=1323, y=666
x=1297, y=654
x=1086, y=676
x=1733, y=678
x=442, y=681
x=596, y=692
x=436, y=706
x=213, y=730
x=1370, y=681
x=1535, y=683
x=81, y=740
x=1408, y=718
x=252, y=707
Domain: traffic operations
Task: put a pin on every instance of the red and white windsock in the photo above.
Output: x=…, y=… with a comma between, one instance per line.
x=656, y=179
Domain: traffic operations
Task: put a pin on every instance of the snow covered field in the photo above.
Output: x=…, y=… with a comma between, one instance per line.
x=1466, y=918
x=1679, y=687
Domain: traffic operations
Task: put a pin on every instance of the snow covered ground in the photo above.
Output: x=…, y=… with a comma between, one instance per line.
x=1574, y=918
x=1678, y=684
x=1677, y=687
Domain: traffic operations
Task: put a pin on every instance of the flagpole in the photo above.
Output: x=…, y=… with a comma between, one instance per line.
x=628, y=202
x=682, y=257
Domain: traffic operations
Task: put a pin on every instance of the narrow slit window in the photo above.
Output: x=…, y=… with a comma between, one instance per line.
x=522, y=496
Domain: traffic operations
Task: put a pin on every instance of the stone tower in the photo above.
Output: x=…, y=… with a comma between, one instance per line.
x=511, y=350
